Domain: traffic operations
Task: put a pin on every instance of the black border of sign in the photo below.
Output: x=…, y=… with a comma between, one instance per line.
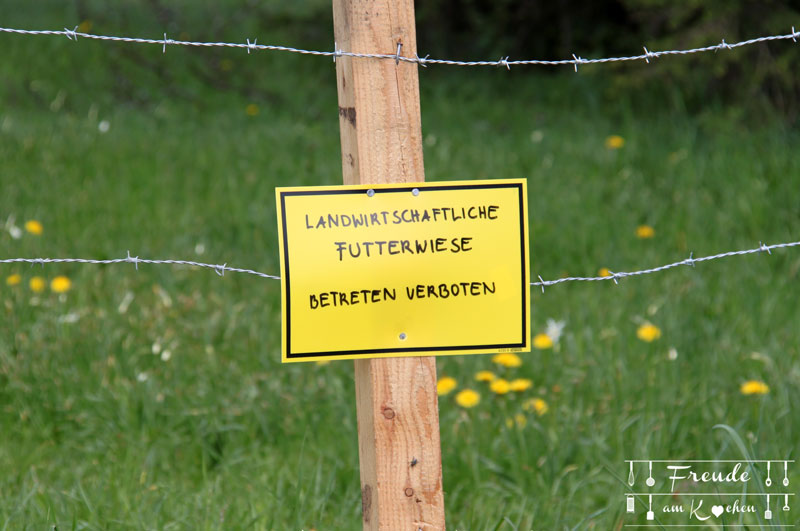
x=406, y=188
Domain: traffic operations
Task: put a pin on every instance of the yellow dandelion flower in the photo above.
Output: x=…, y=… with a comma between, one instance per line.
x=542, y=341
x=520, y=384
x=614, y=142
x=445, y=385
x=507, y=359
x=603, y=272
x=37, y=284
x=645, y=231
x=519, y=419
x=251, y=110
x=85, y=26
x=500, y=386
x=468, y=398
x=754, y=387
x=536, y=405
x=60, y=284
x=34, y=227
x=484, y=376
x=13, y=280
x=648, y=332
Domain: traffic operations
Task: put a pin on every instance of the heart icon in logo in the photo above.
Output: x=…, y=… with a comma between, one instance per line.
x=717, y=510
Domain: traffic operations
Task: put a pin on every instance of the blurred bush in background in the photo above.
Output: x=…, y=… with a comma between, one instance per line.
x=555, y=30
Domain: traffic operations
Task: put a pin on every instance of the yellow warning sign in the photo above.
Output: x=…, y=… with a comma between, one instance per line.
x=375, y=271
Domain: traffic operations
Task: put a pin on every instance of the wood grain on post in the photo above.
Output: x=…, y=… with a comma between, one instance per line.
x=398, y=410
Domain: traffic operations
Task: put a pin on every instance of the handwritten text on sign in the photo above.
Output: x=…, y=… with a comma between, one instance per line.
x=375, y=271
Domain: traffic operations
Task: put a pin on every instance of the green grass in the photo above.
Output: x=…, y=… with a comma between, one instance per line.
x=99, y=432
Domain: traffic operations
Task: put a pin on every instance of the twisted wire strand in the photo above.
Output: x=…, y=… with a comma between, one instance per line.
x=615, y=276
x=221, y=269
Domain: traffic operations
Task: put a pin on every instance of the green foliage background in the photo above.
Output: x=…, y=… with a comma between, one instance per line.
x=100, y=430
x=556, y=30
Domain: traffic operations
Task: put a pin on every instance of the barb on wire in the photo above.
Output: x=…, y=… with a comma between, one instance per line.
x=220, y=269
x=421, y=61
x=691, y=261
x=72, y=34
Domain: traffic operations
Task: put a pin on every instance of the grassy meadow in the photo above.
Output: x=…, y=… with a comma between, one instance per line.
x=155, y=399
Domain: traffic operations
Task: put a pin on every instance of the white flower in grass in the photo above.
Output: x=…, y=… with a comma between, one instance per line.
x=554, y=328
x=126, y=302
x=69, y=318
x=12, y=228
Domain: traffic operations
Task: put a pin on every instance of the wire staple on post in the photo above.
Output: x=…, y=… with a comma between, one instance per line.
x=397, y=55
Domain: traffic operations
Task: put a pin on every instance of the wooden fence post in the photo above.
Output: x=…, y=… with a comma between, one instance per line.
x=379, y=119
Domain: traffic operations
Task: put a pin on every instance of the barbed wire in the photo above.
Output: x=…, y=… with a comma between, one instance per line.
x=397, y=57
x=221, y=269
x=615, y=276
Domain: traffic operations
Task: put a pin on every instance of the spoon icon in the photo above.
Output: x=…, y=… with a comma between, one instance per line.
x=650, y=481
x=630, y=475
x=769, y=480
